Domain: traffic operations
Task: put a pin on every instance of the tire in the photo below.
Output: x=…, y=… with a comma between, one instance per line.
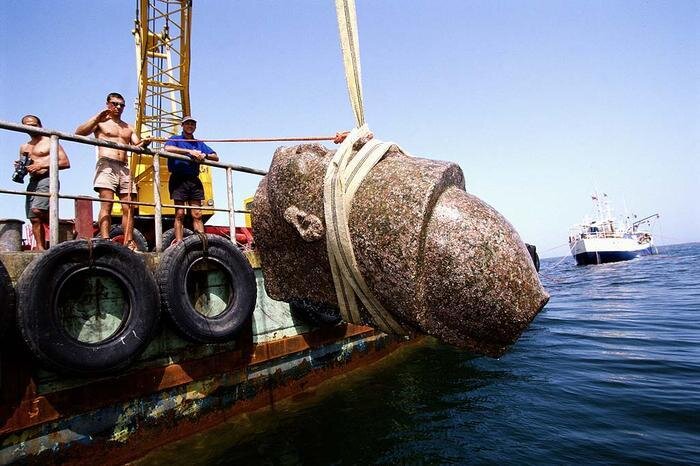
x=208, y=290
x=7, y=301
x=169, y=236
x=532, y=249
x=116, y=235
x=87, y=307
x=320, y=315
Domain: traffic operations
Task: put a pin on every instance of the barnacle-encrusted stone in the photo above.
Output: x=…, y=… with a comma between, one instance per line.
x=440, y=260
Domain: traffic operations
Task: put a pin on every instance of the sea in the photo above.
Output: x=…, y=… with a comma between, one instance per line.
x=608, y=373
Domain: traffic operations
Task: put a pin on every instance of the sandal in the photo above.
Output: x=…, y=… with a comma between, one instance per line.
x=132, y=245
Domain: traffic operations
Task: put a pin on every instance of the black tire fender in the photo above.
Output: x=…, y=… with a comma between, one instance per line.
x=321, y=315
x=7, y=300
x=169, y=236
x=116, y=235
x=87, y=307
x=207, y=274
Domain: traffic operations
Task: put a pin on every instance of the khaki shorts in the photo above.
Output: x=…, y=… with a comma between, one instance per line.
x=113, y=174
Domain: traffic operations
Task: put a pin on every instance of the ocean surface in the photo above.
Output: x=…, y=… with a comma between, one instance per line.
x=608, y=372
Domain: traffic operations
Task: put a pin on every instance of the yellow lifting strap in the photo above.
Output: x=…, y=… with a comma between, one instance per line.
x=350, y=45
x=343, y=177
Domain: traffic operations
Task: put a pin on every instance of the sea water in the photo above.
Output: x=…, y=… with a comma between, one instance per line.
x=608, y=372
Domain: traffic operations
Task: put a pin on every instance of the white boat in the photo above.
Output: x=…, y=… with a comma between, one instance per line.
x=606, y=239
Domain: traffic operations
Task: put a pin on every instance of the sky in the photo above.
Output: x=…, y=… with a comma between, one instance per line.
x=539, y=102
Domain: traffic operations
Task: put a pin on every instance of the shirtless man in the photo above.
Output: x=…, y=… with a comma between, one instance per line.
x=37, y=207
x=112, y=175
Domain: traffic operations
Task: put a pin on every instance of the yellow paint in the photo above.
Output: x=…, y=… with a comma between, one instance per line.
x=247, y=205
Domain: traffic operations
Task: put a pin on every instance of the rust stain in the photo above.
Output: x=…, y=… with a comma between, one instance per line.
x=32, y=409
x=149, y=437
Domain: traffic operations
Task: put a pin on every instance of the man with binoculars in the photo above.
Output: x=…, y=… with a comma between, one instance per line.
x=34, y=160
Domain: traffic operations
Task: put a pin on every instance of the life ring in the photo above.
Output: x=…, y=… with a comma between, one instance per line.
x=169, y=236
x=116, y=235
x=7, y=300
x=102, y=306
x=207, y=287
x=315, y=314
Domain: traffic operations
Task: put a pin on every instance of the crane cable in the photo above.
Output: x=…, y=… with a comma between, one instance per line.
x=343, y=177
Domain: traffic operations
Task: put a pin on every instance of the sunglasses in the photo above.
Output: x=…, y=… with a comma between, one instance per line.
x=118, y=104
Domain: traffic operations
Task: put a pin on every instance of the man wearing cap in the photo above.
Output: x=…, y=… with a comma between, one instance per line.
x=185, y=186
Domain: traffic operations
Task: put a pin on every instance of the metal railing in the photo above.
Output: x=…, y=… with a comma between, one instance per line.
x=54, y=194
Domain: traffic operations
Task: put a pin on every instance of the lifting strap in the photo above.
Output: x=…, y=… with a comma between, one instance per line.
x=350, y=46
x=343, y=177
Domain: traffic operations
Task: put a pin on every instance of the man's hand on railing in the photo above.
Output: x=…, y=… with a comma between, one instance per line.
x=145, y=142
x=197, y=155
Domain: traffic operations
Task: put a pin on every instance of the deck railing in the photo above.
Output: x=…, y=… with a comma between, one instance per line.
x=54, y=194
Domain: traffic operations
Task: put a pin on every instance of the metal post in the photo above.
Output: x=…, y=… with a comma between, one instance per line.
x=158, y=218
x=231, y=210
x=53, y=191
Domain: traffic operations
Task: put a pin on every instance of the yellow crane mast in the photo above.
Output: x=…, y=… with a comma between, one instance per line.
x=162, y=32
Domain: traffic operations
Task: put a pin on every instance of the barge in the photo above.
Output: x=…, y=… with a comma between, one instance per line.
x=175, y=388
x=88, y=364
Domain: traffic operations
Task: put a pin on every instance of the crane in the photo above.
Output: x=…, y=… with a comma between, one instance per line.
x=162, y=30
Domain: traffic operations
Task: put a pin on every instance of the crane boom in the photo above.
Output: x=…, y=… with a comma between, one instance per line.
x=162, y=34
x=162, y=31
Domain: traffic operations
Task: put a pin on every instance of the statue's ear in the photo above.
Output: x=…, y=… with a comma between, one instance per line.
x=309, y=227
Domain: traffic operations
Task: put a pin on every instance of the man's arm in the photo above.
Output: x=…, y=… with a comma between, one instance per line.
x=209, y=153
x=22, y=149
x=90, y=126
x=173, y=149
x=137, y=141
x=63, y=161
x=212, y=156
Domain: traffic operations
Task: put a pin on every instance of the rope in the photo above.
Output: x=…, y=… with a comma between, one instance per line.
x=90, y=247
x=205, y=242
x=555, y=247
x=275, y=139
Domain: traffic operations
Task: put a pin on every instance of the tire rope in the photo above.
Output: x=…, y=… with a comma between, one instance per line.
x=205, y=243
x=90, y=247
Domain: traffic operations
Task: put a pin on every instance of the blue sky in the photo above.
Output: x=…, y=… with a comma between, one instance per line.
x=539, y=102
